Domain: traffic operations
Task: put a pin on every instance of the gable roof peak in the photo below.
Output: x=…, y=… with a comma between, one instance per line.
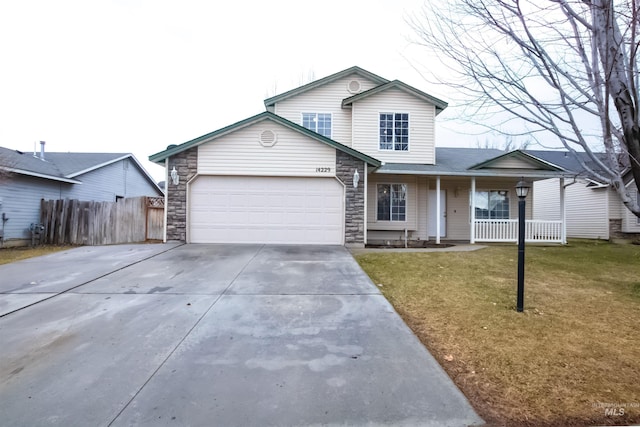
x=172, y=150
x=439, y=104
x=316, y=83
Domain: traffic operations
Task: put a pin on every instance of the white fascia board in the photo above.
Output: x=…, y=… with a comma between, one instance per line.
x=42, y=175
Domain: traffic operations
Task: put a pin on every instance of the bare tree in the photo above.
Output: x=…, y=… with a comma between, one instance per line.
x=568, y=67
x=506, y=143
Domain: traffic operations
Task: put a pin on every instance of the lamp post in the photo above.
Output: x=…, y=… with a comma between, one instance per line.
x=522, y=189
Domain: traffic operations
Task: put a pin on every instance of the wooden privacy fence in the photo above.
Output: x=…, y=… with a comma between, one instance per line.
x=76, y=222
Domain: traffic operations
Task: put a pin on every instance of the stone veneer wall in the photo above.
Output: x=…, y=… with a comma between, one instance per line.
x=615, y=231
x=186, y=163
x=354, y=221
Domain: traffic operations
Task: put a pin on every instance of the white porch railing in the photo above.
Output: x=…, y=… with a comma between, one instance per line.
x=506, y=230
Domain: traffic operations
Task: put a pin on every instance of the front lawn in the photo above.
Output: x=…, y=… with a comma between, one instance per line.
x=8, y=255
x=573, y=356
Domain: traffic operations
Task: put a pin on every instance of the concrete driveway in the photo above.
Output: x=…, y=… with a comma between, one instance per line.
x=211, y=335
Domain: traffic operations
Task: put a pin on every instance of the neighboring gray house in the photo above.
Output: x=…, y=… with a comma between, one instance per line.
x=26, y=178
x=593, y=209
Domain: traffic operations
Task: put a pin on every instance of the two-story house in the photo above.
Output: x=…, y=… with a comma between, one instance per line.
x=348, y=159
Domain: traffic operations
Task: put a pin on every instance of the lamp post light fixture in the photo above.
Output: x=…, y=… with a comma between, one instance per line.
x=522, y=189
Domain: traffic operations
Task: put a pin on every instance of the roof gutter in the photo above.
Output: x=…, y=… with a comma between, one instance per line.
x=41, y=175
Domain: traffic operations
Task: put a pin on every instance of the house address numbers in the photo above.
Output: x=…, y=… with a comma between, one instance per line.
x=323, y=170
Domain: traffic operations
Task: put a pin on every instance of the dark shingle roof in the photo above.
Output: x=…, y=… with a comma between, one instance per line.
x=571, y=162
x=27, y=162
x=72, y=164
x=454, y=161
x=58, y=166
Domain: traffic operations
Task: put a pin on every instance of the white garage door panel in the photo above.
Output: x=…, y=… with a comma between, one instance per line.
x=266, y=210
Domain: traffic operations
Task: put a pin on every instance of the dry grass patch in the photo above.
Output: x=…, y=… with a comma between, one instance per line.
x=8, y=255
x=574, y=347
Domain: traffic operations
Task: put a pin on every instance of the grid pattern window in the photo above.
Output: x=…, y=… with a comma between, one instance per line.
x=394, y=131
x=392, y=202
x=318, y=122
x=492, y=204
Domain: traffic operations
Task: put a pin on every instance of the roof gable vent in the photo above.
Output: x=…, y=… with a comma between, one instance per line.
x=354, y=86
x=268, y=138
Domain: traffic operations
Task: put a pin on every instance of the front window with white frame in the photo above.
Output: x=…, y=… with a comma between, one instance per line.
x=318, y=122
x=394, y=131
x=392, y=202
x=493, y=204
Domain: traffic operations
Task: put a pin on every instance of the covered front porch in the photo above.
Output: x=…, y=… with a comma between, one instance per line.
x=437, y=209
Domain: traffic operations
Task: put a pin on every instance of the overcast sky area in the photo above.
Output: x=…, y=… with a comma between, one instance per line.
x=138, y=75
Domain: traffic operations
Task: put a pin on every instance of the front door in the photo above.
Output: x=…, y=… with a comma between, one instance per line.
x=431, y=213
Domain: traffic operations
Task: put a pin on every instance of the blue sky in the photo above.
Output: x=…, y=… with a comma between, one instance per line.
x=136, y=76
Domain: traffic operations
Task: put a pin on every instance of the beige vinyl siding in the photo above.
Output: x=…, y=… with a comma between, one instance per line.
x=546, y=200
x=587, y=207
x=629, y=220
x=325, y=99
x=512, y=163
x=421, y=202
x=587, y=212
x=616, y=207
x=411, y=222
x=240, y=153
x=366, y=119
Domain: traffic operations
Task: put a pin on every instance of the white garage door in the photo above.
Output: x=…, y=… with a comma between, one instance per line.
x=279, y=210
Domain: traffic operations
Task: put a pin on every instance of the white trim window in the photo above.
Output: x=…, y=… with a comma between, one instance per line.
x=392, y=202
x=394, y=131
x=493, y=204
x=318, y=122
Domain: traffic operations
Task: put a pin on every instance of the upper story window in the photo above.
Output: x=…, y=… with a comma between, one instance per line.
x=318, y=122
x=392, y=202
x=394, y=131
x=492, y=204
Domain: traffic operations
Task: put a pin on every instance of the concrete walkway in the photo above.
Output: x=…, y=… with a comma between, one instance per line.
x=208, y=335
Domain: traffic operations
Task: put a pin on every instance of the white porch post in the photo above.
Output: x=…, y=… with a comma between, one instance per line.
x=438, y=210
x=563, y=212
x=472, y=197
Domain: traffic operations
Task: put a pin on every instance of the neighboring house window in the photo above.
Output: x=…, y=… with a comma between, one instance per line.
x=392, y=202
x=492, y=204
x=394, y=131
x=318, y=122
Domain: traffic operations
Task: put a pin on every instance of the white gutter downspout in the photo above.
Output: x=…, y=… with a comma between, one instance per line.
x=563, y=208
x=472, y=197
